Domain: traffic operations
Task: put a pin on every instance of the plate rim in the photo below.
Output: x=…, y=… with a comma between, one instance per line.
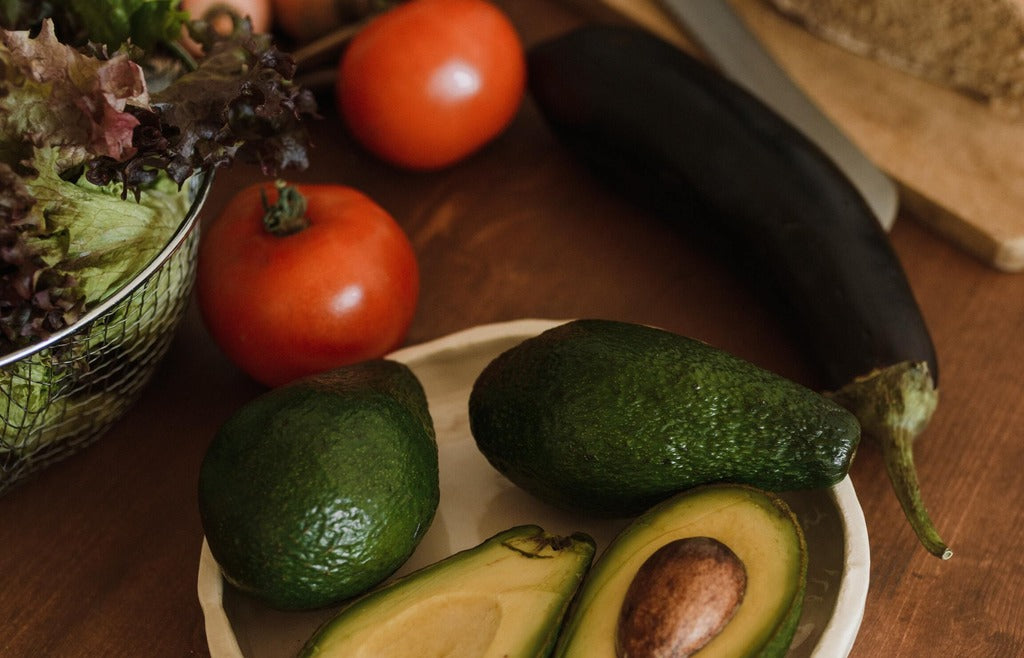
x=837, y=638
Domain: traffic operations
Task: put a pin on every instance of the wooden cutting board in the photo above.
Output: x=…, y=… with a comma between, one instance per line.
x=960, y=167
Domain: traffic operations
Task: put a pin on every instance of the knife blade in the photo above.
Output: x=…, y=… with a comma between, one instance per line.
x=736, y=50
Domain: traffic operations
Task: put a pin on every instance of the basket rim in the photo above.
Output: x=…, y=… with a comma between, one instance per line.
x=201, y=183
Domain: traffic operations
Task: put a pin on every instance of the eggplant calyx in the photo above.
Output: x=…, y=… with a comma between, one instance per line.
x=894, y=405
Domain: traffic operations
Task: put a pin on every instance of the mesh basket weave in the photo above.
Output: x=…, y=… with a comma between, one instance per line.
x=58, y=396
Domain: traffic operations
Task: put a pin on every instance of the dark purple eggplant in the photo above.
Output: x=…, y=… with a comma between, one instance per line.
x=672, y=133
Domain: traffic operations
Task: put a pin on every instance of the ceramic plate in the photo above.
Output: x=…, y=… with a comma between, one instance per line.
x=477, y=502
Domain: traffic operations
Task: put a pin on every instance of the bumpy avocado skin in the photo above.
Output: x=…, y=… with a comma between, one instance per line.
x=758, y=526
x=318, y=490
x=609, y=417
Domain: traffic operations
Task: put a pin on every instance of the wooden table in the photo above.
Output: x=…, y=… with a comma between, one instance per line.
x=98, y=553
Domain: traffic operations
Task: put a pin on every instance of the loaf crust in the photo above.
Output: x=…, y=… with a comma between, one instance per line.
x=974, y=46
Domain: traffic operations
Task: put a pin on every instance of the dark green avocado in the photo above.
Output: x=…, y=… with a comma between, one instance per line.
x=318, y=490
x=610, y=417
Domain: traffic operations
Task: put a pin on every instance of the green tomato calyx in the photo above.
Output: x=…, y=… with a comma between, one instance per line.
x=288, y=214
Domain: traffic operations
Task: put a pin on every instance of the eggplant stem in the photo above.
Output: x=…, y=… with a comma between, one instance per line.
x=894, y=405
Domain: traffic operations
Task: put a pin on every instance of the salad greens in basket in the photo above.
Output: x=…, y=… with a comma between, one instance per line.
x=81, y=132
x=105, y=123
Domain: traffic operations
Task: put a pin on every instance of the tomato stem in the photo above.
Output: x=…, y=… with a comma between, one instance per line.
x=288, y=214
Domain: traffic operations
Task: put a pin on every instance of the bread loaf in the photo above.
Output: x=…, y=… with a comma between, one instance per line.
x=975, y=46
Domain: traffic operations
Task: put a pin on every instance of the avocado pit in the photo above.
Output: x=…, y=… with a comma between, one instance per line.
x=682, y=596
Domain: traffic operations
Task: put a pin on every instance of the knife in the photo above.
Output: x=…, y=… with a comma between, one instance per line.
x=727, y=40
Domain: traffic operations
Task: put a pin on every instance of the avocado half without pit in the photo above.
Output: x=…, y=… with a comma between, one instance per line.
x=719, y=569
x=505, y=598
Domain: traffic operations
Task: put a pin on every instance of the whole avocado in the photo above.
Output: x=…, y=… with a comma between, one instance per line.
x=318, y=490
x=609, y=418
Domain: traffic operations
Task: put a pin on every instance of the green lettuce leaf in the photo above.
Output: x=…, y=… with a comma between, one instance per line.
x=75, y=244
x=27, y=404
x=145, y=23
x=36, y=410
x=92, y=234
x=15, y=14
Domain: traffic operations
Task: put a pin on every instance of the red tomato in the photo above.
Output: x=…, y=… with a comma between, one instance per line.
x=431, y=81
x=341, y=290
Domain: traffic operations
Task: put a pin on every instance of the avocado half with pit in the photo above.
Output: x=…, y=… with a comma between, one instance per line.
x=505, y=598
x=721, y=569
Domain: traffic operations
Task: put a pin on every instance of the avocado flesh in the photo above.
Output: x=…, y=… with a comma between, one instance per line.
x=756, y=525
x=608, y=418
x=505, y=597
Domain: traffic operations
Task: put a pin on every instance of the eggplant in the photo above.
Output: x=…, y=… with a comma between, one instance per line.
x=672, y=133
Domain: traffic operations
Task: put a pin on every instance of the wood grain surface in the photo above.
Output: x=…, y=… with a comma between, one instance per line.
x=959, y=165
x=99, y=553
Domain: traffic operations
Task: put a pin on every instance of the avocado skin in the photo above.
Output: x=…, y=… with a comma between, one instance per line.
x=609, y=417
x=318, y=490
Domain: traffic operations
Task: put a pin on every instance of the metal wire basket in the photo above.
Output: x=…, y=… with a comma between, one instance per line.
x=59, y=395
